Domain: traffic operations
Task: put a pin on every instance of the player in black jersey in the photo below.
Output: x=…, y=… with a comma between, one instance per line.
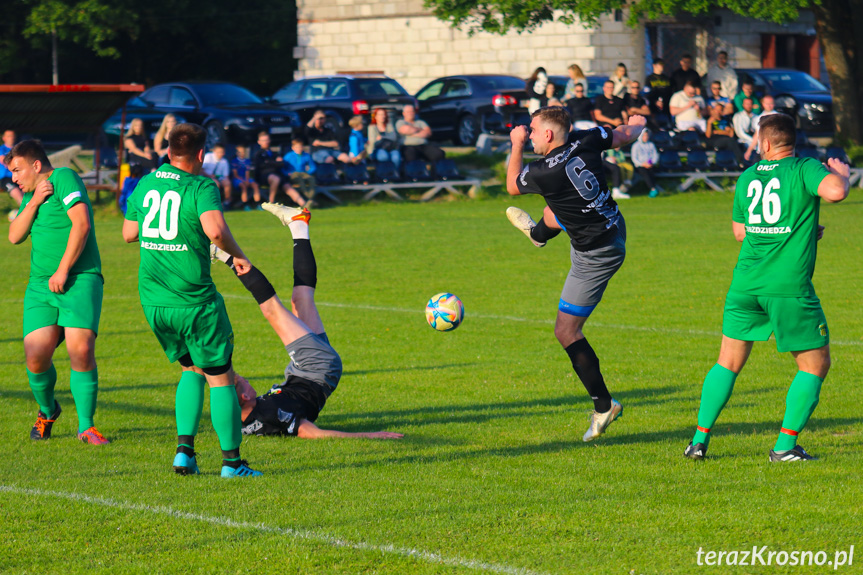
x=291, y=407
x=570, y=178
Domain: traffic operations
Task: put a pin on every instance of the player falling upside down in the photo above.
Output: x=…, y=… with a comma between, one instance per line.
x=571, y=179
x=290, y=408
x=776, y=208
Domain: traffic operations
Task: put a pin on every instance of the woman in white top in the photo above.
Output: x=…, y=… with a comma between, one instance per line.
x=620, y=79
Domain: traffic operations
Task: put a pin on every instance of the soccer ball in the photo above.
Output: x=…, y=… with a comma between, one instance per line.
x=444, y=312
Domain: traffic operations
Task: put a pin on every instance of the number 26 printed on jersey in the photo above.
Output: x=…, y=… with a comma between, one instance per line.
x=167, y=208
x=771, y=204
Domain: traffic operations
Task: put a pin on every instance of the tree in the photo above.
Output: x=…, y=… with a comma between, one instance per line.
x=838, y=23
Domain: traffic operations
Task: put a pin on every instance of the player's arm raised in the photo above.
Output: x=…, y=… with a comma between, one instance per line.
x=623, y=135
x=19, y=229
x=216, y=228
x=518, y=136
x=834, y=188
x=81, y=226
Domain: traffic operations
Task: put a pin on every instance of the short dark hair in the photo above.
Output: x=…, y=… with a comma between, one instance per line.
x=691, y=83
x=556, y=115
x=263, y=133
x=659, y=61
x=30, y=150
x=186, y=140
x=686, y=56
x=778, y=129
x=716, y=83
x=298, y=141
x=747, y=82
x=721, y=52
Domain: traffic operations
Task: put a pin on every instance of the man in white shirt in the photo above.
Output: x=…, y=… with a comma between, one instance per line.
x=742, y=121
x=769, y=108
x=724, y=74
x=217, y=168
x=688, y=108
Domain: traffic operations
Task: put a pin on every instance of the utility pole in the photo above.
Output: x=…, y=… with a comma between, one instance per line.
x=55, y=74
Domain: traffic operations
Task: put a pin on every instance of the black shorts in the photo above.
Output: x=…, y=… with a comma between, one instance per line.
x=280, y=410
x=263, y=177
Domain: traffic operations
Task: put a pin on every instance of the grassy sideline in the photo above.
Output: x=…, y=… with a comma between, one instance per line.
x=492, y=475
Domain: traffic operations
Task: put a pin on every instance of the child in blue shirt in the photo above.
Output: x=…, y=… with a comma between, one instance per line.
x=299, y=167
x=241, y=167
x=357, y=141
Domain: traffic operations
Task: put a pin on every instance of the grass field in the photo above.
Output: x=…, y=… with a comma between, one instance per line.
x=492, y=475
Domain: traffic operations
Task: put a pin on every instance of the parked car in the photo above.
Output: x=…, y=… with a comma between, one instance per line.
x=797, y=94
x=231, y=114
x=342, y=96
x=463, y=107
x=594, y=85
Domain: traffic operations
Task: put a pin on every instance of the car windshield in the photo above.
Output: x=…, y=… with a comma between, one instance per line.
x=378, y=88
x=790, y=81
x=225, y=95
x=493, y=83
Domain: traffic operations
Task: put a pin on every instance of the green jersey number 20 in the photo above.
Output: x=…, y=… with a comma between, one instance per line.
x=167, y=207
x=771, y=206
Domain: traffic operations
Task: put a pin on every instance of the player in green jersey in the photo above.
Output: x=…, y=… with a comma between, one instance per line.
x=64, y=294
x=176, y=213
x=776, y=207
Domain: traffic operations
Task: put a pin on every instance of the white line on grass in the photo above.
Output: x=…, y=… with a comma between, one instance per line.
x=303, y=534
x=653, y=329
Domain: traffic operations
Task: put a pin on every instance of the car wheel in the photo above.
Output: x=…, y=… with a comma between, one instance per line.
x=215, y=134
x=467, y=130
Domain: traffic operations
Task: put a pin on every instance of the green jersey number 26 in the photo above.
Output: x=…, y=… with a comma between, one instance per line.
x=167, y=208
x=771, y=205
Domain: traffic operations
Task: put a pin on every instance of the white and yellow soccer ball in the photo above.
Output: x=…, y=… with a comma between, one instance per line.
x=444, y=312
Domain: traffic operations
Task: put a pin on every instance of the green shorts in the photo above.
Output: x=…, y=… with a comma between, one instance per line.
x=798, y=322
x=80, y=306
x=204, y=332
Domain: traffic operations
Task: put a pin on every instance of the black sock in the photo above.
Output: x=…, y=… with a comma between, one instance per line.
x=186, y=444
x=305, y=267
x=543, y=233
x=256, y=282
x=231, y=458
x=586, y=366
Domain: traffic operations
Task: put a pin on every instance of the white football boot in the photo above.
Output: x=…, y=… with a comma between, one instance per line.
x=522, y=220
x=599, y=422
x=286, y=214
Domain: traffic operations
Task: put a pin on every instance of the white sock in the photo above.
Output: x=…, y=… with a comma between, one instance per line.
x=299, y=229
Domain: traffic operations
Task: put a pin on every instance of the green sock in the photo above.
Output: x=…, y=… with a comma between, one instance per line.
x=225, y=415
x=189, y=402
x=800, y=402
x=715, y=392
x=85, y=388
x=42, y=385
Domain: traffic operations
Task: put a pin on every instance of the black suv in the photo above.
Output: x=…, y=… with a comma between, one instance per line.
x=231, y=114
x=342, y=96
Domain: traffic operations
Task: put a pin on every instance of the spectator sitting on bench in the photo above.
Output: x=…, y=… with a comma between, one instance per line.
x=135, y=174
x=720, y=133
x=299, y=167
x=743, y=122
x=138, y=148
x=747, y=90
x=357, y=141
x=415, y=134
x=581, y=109
x=609, y=109
x=687, y=107
x=241, y=167
x=716, y=96
x=323, y=141
x=635, y=103
x=217, y=168
x=769, y=106
x=645, y=157
x=383, y=144
x=268, y=166
x=6, y=182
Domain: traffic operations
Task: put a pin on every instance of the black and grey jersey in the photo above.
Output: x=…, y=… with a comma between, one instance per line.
x=572, y=181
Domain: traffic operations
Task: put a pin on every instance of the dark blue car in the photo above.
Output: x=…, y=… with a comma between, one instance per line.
x=797, y=94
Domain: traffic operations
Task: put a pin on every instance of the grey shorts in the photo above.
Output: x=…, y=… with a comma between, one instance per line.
x=314, y=359
x=590, y=273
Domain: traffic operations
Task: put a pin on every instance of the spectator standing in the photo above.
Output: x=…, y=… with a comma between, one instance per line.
x=160, y=141
x=769, y=108
x=6, y=182
x=657, y=86
x=217, y=168
x=743, y=122
x=383, y=144
x=241, y=171
x=268, y=166
x=576, y=78
x=535, y=87
x=747, y=90
x=645, y=157
x=716, y=97
x=620, y=79
x=356, y=141
x=415, y=134
x=687, y=108
x=724, y=74
x=686, y=73
x=299, y=167
x=720, y=134
x=609, y=110
x=323, y=141
x=581, y=109
x=138, y=148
